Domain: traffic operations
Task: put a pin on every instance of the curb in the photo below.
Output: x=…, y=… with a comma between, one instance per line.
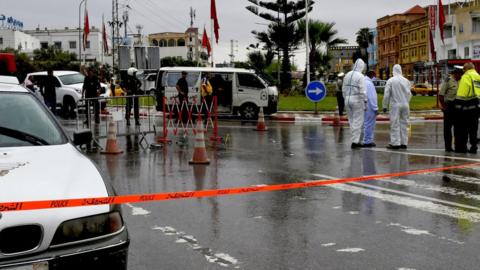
x=297, y=118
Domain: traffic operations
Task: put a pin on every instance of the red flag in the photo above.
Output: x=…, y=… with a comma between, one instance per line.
x=206, y=42
x=86, y=28
x=105, y=39
x=213, y=16
x=441, y=19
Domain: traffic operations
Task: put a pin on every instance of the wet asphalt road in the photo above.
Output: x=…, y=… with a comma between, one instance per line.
x=427, y=221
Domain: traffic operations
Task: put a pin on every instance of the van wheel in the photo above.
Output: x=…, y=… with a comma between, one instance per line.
x=68, y=107
x=152, y=92
x=249, y=111
x=414, y=93
x=431, y=94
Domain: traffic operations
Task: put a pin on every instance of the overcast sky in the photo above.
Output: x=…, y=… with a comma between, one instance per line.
x=173, y=15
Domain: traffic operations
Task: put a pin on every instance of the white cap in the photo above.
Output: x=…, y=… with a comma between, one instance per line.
x=341, y=74
x=131, y=71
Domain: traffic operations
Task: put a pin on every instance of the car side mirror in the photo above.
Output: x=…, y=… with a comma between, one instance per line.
x=82, y=137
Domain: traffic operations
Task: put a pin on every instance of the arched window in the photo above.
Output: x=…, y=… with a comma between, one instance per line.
x=171, y=43
x=181, y=42
x=163, y=43
x=154, y=42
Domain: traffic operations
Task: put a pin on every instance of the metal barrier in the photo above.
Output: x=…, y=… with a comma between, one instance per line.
x=179, y=116
x=115, y=109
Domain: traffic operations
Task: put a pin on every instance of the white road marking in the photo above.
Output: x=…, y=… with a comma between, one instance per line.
x=403, y=193
x=423, y=205
x=351, y=250
x=466, y=206
x=137, y=211
x=459, y=178
x=329, y=245
x=446, y=190
x=219, y=258
x=422, y=155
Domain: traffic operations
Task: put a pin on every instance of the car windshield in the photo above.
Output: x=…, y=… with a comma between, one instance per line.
x=26, y=122
x=72, y=78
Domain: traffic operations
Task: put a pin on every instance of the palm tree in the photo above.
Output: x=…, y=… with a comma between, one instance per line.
x=322, y=35
x=282, y=31
x=364, y=39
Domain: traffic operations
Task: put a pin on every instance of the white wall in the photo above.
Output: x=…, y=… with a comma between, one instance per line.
x=17, y=39
x=174, y=52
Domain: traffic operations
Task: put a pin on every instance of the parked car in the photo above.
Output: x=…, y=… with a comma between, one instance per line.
x=423, y=89
x=148, y=83
x=9, y=79
x=39, y=162
x=70, y=90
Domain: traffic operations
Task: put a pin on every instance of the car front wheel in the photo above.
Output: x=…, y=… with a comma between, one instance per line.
x=68, y=107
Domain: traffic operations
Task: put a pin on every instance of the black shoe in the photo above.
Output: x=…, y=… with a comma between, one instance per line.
x=369, y=145
x=472, y=151
x=449, y=150
x=128, y=122
x=393, y=147
x=403, y=146
x=137, y=123
x=461, y=151
x=356, y=145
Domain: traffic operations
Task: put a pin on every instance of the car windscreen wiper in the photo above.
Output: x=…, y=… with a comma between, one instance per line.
x=23, y=136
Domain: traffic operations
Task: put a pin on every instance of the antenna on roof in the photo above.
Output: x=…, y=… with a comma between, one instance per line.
x=192, y=16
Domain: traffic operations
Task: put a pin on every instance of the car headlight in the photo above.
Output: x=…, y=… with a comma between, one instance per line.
x=87, y=228
x=78, y=90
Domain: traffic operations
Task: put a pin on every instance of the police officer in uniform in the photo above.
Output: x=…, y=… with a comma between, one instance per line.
x=447, y=95
x=467, y=110
x=132, y=86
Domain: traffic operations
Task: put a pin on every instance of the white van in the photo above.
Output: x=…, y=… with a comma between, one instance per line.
x=242, y=92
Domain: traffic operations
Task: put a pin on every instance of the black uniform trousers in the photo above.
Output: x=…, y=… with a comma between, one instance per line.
x=465, y=129
x=448, y=123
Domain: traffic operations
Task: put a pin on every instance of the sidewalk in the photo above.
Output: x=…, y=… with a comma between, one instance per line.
x=328, y=117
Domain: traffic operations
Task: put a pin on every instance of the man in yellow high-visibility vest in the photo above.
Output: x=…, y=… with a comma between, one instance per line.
x=467, y=110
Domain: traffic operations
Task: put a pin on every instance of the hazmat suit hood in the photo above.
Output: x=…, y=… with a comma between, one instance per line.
x=397, y=70
x=359, y=65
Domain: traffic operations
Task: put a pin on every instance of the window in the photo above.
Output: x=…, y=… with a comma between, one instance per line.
x=44, y=45
x=1, y=40
x=57, y=44
x=466, y=52
x=460, y=28
x=249, y=80
x=452, y=54
x=171, y=79
x=72, y=44
x=171, y=43
x=448, y=31
x=181, y=42
x=424, y=35
x=476, y=25
x=154, y=42
x=87, y=46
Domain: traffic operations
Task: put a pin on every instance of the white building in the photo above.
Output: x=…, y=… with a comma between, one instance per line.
x=18, y=40
x=67, y=39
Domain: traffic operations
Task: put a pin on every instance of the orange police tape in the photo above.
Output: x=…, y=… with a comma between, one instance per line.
x=48, y=204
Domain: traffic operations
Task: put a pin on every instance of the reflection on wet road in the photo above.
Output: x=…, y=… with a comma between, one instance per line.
x=428, y=221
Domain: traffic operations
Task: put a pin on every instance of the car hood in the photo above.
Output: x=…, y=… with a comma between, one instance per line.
x=48, y=173
x=273, y=90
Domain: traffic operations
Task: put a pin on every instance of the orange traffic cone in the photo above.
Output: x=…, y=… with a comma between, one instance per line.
x=261, y=121
x=112, y=147
x=200, y=152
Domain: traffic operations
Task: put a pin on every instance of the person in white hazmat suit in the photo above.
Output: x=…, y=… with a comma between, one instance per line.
x=355, y=94
x=397, y=96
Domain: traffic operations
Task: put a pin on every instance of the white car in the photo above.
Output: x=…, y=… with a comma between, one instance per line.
x=39, y=162
x=70, y=90
x=9, y=79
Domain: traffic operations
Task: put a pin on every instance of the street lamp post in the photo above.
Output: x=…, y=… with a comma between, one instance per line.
x=80, y=31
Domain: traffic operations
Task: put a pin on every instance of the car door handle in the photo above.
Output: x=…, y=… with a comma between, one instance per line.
x=240, y=90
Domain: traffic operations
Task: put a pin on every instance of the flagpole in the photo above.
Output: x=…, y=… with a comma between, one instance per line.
x=212, y=41
x=103, y=40
x=80, y=31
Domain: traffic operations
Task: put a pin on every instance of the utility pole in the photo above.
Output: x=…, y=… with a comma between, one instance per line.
x=192, y=16
x=125, y=20
x=139, y=34
x=307, y=44
x=232, y=53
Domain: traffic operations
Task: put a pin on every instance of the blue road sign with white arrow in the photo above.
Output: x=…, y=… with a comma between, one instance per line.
x=316, y=91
